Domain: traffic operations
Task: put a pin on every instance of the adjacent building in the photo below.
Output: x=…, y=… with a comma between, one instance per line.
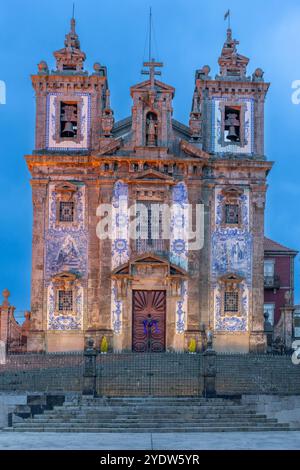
x=279, y=291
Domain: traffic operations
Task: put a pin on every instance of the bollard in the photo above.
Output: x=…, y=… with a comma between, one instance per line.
x=89, y=374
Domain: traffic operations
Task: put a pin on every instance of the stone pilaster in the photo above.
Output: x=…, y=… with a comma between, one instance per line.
x=257, y=337
x=38, y=290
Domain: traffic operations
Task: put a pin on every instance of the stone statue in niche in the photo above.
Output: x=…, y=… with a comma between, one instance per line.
x=151, y=130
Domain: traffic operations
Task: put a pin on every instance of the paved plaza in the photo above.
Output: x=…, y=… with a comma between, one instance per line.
x=180, y=441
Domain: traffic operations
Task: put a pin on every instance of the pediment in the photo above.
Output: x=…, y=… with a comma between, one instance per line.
x=159, y=86
x=66, y=187
x=149, y=259
x=231, y=278
x=151, y=174
x=193, y=151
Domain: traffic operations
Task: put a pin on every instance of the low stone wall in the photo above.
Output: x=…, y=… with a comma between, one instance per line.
x=8, y=403
x=286, y=409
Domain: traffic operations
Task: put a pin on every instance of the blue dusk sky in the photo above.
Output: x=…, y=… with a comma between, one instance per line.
x=189, y=34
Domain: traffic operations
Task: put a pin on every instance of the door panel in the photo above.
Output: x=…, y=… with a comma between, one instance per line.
x=149, y=315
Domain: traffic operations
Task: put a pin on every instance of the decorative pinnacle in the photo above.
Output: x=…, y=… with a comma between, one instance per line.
x=6, y=295
x=72, y=40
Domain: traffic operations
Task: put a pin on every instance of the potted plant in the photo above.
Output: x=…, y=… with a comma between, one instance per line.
x=192, y=346
x=104, y=345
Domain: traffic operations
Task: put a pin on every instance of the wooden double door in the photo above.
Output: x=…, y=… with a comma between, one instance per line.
x=149, y=321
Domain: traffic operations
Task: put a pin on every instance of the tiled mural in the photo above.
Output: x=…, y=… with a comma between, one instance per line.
x=66, y=251
x=120, y=246
x=231, y=252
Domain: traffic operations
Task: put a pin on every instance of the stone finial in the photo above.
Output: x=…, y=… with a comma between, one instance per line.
x=258, y=75
x=90, y=344
x=232, y=64
x=6, y=295
x=70, y=58
x=43, y=67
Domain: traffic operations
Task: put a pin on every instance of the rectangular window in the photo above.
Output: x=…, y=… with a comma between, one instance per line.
x=231, y=302
x=269, y=268
x=269, y=309
x=65, y=300
x=68, y=120
x=66, y=211
x=232, y=214
x=297, y=324
x=149, y=228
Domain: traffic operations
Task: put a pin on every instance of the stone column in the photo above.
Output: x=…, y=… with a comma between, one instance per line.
x=105, y=267
x=193, y=310
x=286, y=324
x=4, y=318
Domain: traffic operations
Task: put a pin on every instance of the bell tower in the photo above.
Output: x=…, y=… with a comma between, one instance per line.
x=227, y=121
x=70, y=102
x=152, y=110
x=73, y=115
x=228, y=112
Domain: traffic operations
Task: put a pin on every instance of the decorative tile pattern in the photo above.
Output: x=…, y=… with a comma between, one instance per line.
x=181, y=309
x=231, y=252
x=116, y=310
x=72, y=321
x=120, y=221
x=232, y=323
x=216, y=130
x=66, y=246
x=85, y=118
x=120, y=246
x=179, y=226
x=179, y=247
x=66, y=250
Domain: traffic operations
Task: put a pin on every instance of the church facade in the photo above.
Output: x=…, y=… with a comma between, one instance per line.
x=151, y=288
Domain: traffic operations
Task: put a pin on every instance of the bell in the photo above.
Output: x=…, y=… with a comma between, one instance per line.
x=68, y=130
x=232, y=134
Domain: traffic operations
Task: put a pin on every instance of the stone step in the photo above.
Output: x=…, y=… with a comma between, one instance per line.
x=147, y=412
x=151, y=430
x=123, y=417
x=151, y=408
x=121, y=425
x=34, y=422
x=150, y=415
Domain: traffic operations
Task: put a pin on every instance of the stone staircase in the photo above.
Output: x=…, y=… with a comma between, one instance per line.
x=149, y=414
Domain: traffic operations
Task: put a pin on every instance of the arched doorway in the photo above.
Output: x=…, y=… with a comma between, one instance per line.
x=149, y=320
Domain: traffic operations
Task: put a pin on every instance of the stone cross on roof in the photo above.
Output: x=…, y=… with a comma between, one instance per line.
x=152, y=72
